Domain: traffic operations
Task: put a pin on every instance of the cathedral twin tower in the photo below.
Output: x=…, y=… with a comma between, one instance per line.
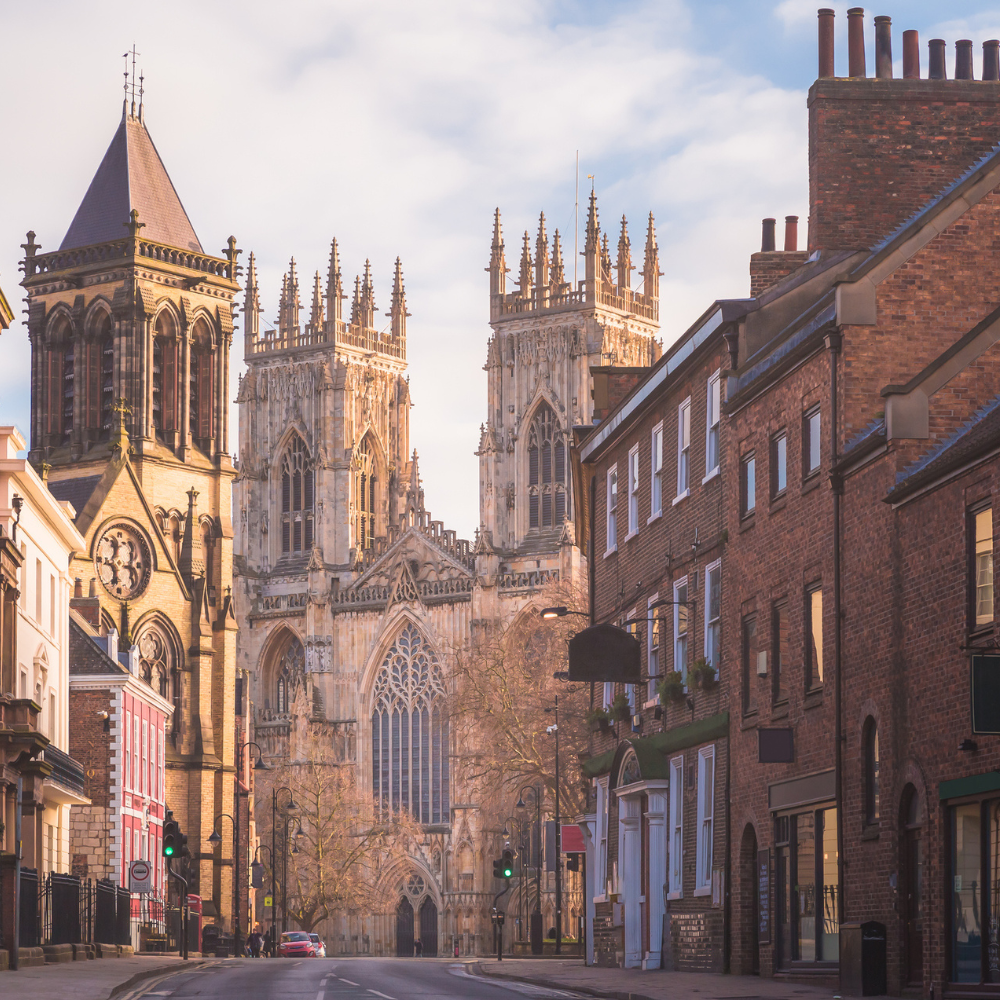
x=348, y=598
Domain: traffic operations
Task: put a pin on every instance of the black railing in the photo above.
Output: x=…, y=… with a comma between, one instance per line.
x=30, y=935
x=105, y=911
x=65, y=770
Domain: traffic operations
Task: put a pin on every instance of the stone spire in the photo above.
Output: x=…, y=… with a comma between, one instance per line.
x=398, y=311
x=367, y=298
x=334, y=284
x=605, y=259
x=624, y=257
x=592, y=247
x=651, y=263
x=557, y=276
x=541, y=256
x=251, y=307
x=498, y=262
x=288, y=307
x=316, y=312
x=356, y=302
x=524, y=281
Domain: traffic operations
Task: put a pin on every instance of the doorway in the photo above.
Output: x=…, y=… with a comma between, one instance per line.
x=750, y=936
x=428, y=928
x=911, y=891
x=404, y=929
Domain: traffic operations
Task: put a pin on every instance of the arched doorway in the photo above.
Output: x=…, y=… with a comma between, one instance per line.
x=750, y=896
x=404, y=929
x=429, y=928
x=911, y=891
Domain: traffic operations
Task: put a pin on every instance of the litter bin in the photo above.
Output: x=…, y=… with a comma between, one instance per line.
x=862, y=959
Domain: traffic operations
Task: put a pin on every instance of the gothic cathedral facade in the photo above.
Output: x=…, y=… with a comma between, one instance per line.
x=130, y=323
x=351, y=599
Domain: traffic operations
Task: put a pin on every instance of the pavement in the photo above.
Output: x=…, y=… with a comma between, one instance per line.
x=92, y=980
x=635, y=984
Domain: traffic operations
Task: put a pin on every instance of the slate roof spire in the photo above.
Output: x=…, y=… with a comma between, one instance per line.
x=131, y=177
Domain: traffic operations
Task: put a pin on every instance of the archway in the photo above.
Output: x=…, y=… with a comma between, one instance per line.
x=749, y=904
x=429, y=928
x=404, y=929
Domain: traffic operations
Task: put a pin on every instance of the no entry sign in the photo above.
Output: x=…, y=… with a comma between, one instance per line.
x=140, y=877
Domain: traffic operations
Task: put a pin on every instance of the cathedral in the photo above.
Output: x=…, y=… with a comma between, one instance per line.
x=130, y=323
x=351, y=598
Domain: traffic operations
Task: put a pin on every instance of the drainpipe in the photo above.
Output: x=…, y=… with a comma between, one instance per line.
x=833, y=342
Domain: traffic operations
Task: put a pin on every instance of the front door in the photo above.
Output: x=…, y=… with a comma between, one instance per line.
x=429, y=928
x=913, y=865
x=404, y=929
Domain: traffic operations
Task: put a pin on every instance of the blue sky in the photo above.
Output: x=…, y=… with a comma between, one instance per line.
x=398, y=126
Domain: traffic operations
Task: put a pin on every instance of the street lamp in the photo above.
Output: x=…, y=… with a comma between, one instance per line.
x=560, y=612
x=290, y=809
x=536, y=916
x=555, y=729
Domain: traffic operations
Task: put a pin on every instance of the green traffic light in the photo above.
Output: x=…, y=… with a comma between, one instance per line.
x=507, y=872
x=168, y=851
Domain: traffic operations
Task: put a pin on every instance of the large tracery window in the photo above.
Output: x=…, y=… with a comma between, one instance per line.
x=410, y=732
x=296, y=498
x=291, y=662
x=157, y=658
x=546, y=471
x=364, y=492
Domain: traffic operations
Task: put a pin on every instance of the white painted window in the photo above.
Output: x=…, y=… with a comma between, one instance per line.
x=160, y=769
x=128, y=751
x=612, y=527
x=681, y=619
x=675, y=856
x=633, y=491
x=632, y=627
x=656, y=470
x=683, y=449
x=706, y=799
x=713, y=407
x=601, y=876
x=38, y=592
x=609, y=694
x=811, y=442
x=52, y=605
x=653, y=646
x=136, y=779
x=145, y=757
x=713, y=611
x=136, y=855
x=145, y=847
x=127, y=845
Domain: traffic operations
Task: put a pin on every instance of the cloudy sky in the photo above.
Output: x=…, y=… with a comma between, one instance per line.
x=399, y=125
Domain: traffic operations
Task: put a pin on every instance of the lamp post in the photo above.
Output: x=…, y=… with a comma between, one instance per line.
x=555, y=729
x=536, y=916
x=284, y=866
x=290, y=809
x=522, y=854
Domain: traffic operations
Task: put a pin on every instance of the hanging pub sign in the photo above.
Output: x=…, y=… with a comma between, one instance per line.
x=985, y=691
x=604, y=653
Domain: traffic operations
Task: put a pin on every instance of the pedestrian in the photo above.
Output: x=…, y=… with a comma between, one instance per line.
x=255, y=944
x=418, y=947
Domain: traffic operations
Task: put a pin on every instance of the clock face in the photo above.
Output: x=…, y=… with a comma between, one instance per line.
x=123, y=561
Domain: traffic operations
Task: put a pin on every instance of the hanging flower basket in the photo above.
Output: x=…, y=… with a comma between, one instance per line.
x=621, y=710
x=704, y=674
x=599, y=720
x=671, y=688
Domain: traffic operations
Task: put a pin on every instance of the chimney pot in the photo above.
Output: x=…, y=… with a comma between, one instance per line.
x=92, y=589
x=936, y=68
x=963, y=59
x=78, y=587
x=991, y=59
x=791, y=233
x=767, y=235
x=883, y=47
x=911, y=55
x=826, y=16
x=856, y=42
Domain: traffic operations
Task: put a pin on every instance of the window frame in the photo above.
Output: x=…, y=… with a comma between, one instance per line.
x=974, y=513
x=748, y=508
x=713, y=407
x=656, y=472
x=683, y=450
x=779, y=663
x=678, y=585
x=611, y=511
x=633, y=492
x=870, y=766
x=748, y=663
x=810, y=672
x=807, y=449
x=603, y=801
x=655, y=629
x=675, y=851
x=706, y=824
x=778, y=452
x=716, y=622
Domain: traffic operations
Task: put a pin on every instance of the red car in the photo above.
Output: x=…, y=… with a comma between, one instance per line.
x=296, y=944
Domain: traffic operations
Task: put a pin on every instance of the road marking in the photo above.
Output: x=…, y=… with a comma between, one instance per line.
x=349, y=983
x=319, y=996
x=385, y=995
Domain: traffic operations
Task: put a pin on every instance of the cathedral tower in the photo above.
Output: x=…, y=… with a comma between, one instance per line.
x=130, y=323
x=547, y=334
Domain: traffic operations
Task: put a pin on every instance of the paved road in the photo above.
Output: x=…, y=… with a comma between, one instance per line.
x=339, y=979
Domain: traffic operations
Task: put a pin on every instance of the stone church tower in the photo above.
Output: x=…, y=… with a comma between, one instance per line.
x=352, y=599
x=131, y=323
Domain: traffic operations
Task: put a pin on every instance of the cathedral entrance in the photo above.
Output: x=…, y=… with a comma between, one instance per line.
x=429, y=928
x=404, y=929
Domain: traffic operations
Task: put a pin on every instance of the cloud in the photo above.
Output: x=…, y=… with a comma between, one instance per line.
x=398, y=127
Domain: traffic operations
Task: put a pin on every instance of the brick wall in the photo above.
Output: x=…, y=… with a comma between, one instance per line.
x=92, y=827
x=769, y=267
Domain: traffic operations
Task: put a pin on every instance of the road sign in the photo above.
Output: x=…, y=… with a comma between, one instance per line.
x=140, y=877
x=268, y=901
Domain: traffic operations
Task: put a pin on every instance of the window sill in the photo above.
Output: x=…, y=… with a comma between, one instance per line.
x=709, y=476
x=676, y=895
x=705, y=890
x=811, y=481
x=870, y=832
x=680, y=496
x=630, y=535
x=611, y=551
x=651, y=703
x=749, y=720
x=780, y=710
x=655, y=517
x=813, y=699
x=778, y=502
x=746, y=521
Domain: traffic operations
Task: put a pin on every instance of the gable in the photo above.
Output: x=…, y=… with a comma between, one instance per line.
x=425, y=564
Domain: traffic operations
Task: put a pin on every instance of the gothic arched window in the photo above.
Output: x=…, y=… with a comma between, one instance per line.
x=289, y=663
x=106, y=345
x=202, y=385
x=364, y=493
x=296, y=498
x=165, y=371
x=157, y=658
x=547, y=476
x=59, y=375
x=410, y=731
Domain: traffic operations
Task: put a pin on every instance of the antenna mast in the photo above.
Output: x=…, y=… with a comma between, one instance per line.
x=576, y=219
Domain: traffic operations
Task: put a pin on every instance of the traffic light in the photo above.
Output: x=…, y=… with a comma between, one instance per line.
x=256, y=875
x=507, y=864
x=183, y=851
x=498, y=868
x=501, y=916
x=572, y=862
x=171, y=836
